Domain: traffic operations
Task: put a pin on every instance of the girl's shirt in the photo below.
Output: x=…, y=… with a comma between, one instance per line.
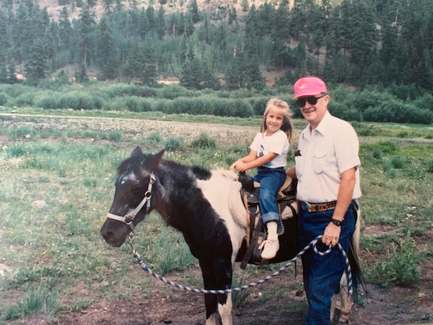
x=276, y=143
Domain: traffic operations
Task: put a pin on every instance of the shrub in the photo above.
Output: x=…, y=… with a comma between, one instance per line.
x=21, y=131
x=397, y=162
x=69, y=101
x=15, y=151
x=221, y=107
x=174, y=91
x=202, y=105
x=258, y=104
x=240, y=108
x=203, y=142
x=366, y=99
x=115, y=136
x=78, y=100
x=424, y=102
x=136, y=104
x=25, y=99
x=344, y=112
x=387, y=147
x=377, y=153
x=401, y=267
x=120, y=90
x=405, y=92
x=154, y=138
x=161, y=105
x=3, y=98
x=430, y=166
x=173, y=144
x=48, y=102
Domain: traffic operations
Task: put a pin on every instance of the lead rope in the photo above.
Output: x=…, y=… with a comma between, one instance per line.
x=313, y=244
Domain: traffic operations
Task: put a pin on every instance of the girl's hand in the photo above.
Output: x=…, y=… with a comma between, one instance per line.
x=239, y=165
x=233, y=166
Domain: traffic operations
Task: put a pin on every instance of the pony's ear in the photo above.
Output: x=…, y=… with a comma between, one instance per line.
x=152, y=161
x=137, y=152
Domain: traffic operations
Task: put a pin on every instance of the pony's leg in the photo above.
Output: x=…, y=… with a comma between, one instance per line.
x=210, y=300
x=212, y=320
x=223, y=269
x=346, y=301
x=333, y=305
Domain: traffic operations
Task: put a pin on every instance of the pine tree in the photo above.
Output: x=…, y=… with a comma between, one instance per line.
x=253, y=76
x=36, y=65
x=193, y=10
x=148, y=67
x=3, y=75
x=191, y=74
x=52, y=44
x=280, y=36
x=106, y=50
x=86, y=28
x=65, y=29
x=81, y=74
x=108, y=5
x=4, y=38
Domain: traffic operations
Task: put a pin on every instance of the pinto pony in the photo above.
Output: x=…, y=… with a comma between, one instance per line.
x=191, y=199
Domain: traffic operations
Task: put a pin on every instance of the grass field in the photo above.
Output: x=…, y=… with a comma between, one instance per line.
x=56, y=185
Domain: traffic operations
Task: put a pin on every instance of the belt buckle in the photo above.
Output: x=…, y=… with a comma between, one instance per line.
x=306, y=206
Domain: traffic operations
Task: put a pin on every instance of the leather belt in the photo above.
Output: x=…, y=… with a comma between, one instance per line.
x=317, y=207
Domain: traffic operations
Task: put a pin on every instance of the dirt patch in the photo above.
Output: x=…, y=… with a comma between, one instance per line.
x=395, y=305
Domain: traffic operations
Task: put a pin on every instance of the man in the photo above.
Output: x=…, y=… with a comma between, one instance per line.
x=327, y=169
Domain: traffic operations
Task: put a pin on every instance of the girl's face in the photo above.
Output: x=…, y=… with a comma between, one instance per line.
x=274, y=120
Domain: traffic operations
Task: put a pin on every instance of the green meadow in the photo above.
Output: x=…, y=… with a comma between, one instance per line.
x=57, y=183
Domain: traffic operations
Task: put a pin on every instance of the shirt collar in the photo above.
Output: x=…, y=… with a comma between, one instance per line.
x=321, y=128
x=324, y=123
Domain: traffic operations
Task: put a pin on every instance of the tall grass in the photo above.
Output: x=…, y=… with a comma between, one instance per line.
x=401, y=266
x=36, y=300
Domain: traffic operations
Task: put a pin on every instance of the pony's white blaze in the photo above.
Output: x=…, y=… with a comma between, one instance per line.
x=128, y=177
x=216, y=191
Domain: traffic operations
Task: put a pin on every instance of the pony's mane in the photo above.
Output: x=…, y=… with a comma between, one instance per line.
x=133, y=164
x=199, y=172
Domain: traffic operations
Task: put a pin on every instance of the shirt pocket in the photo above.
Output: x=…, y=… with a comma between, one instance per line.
x=319, y=161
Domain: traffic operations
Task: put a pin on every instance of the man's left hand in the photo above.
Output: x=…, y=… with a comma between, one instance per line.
x=331, y=235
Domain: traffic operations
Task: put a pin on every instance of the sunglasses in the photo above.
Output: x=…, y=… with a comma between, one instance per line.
x=312, y=100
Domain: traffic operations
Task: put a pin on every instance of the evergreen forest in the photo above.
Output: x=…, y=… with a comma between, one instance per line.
x=384, y=44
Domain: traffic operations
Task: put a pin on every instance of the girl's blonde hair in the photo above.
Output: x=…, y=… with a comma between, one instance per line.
x=287, y=126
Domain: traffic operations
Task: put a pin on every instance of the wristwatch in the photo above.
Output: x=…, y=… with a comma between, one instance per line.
x=336, y=222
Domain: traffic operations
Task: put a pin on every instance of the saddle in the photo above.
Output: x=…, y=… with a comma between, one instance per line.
x=256, y=232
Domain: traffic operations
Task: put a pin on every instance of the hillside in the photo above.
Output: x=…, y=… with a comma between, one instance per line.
x=219, y=44
x=207, y=6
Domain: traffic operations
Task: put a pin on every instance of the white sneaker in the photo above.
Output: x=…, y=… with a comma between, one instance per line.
x=271, y=247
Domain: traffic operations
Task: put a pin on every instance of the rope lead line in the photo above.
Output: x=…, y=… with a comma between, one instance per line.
x=252, y=284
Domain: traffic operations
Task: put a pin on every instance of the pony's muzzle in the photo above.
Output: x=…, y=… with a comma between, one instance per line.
x=114, y=237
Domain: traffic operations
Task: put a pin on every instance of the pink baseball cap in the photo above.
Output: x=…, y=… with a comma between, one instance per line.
x=309, y=86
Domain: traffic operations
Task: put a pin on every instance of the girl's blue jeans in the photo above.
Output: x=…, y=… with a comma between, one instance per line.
x=270, y=179
x=322, y=274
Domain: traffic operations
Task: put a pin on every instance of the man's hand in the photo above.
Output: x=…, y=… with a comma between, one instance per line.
x=331, y=235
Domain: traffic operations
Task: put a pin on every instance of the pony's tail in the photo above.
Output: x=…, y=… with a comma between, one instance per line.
x=358, y=278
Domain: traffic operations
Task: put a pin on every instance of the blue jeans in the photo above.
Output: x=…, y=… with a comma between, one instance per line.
x=270, y=179
x=322, y=274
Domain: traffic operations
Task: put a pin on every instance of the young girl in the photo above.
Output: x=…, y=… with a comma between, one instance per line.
x=268, y=153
